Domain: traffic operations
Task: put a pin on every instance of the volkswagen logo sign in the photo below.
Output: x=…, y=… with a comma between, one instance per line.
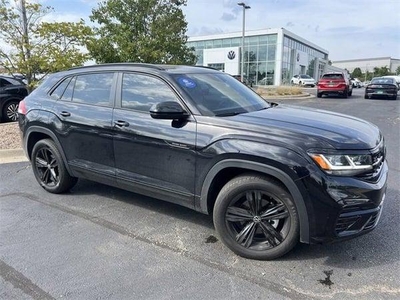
x=231, y=55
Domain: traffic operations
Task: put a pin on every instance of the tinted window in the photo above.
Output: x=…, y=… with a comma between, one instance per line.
x=383, y=81
x=59, y=90
x=140, y=92
x=67, y=95
x=9, y=81
x=93, y=88
x=333, y=76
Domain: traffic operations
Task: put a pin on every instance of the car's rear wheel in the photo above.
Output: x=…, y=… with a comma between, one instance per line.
x=366, y=96
x=345, y=93
x=10, y=111
x=49, y=169
x=351, y=92
x=319, y=95
x=256, y=217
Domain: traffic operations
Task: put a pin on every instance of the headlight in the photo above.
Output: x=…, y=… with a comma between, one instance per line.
x=343, y=164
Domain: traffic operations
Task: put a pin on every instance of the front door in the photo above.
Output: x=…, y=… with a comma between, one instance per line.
x=153, y=157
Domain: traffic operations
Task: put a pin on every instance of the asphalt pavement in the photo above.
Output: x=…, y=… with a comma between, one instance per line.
x=98, y=242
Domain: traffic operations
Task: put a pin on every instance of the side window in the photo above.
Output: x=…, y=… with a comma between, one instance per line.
x=67, y=95
x=140, y=91
x=93, y=88
x=4, y=82
x=59, y=90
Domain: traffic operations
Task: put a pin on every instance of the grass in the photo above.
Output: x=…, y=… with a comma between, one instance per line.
x=279, y=91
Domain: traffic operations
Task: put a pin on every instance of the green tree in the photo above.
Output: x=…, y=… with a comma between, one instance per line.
x=148, y=31
x=398, y=70
x=34, y=48
x=356, y=73
x=382, y=71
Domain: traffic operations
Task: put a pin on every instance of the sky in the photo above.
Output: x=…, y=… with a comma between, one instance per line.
x=348, y=29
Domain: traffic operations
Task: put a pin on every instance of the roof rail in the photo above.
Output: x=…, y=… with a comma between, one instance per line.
x=144, y=65
x=206, y=67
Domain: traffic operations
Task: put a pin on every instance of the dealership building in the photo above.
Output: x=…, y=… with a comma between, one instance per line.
x=368, y=64
x=271, y=56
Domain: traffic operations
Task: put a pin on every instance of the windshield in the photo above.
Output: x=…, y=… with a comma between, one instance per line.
x=382, y=81
x=305, y=76
x=218, y=94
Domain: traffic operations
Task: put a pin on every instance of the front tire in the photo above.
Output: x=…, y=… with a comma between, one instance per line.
x=49, y=168
x=256, y=217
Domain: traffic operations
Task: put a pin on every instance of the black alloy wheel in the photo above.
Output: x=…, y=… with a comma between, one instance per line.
x=10, y=111
x=256, y=217
x=49, y=168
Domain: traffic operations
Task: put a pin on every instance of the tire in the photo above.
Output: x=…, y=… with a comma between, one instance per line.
x=10, y=111
x=49, y=168
x=243, y=217
x=346, y=93
x=351, y=92
x=366, y=96
x=319, y=95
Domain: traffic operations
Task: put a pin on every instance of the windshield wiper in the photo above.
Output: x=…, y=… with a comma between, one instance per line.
x=228, y=114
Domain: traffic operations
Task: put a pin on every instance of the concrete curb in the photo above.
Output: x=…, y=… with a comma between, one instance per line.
x=12, y=155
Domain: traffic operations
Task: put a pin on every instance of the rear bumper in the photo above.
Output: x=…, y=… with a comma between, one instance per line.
x=384, y=94
x=340, y=91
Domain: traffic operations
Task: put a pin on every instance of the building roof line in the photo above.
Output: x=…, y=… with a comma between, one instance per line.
x=364, y=59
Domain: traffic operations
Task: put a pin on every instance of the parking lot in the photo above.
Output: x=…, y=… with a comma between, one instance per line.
x=99, y=242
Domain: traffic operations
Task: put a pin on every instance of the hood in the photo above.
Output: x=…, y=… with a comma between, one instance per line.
x=338, y=130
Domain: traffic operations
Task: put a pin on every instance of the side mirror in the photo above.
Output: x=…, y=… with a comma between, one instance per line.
x=168, y=110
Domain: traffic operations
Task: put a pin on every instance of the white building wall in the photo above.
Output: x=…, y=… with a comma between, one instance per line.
x=227, y=56
x=368, y=64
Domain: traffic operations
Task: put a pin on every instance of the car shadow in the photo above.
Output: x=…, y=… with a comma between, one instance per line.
x=86, y=187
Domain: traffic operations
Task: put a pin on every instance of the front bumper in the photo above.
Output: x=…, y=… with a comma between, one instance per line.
x=348, y=206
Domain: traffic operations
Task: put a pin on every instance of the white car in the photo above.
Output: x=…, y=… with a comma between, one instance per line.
x=303, y=80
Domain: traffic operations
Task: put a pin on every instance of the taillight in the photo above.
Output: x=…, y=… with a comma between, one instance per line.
x=22, y=107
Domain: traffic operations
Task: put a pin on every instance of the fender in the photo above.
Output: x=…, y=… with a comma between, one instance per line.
x=266, y=169
x=34, y=129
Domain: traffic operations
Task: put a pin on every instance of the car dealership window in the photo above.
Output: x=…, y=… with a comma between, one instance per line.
x=140, y=92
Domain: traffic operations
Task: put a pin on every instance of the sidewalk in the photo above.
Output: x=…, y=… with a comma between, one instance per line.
x=12, y=155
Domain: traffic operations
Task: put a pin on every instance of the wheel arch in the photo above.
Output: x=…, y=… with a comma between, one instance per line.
x=37, y=133
x=227, y=169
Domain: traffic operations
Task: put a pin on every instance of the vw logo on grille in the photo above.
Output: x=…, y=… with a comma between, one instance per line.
x=231, y=55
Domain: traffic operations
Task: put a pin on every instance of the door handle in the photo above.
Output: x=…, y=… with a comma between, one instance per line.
x=121, y=123
x=65, y=114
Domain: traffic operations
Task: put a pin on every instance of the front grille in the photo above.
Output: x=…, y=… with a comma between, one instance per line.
x=378, y=159
x=350, y=223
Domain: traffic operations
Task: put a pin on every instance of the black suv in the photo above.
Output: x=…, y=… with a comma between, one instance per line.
x=271, y=175
x=12, y=91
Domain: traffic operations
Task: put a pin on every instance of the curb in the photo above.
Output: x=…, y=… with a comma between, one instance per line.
x=12, y=156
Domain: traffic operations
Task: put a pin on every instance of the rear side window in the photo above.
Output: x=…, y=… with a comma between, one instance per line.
x=332, y=76
x=140, y=92
x=59, y=90
x=93, y=89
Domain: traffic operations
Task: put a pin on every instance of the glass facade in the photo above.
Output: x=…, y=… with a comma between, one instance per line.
x=261, y=57
x=313, y=67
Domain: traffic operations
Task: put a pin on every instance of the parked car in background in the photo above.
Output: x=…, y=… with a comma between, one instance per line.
x=356, y=83
x=382, y=87
x=12, y=91
x=304, y=80
x=334, y=83
x=270, y=175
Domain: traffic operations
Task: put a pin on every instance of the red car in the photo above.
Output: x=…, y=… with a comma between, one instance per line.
x=334, y=83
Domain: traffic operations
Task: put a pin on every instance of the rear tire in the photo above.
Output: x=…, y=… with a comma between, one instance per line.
x=256, y=217
x=319, y=95
x=366, y=97
x=49, y=168
x=345, y=94
x=10, y=111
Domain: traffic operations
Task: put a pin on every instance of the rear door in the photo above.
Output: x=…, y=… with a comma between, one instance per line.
x=83, y=123
x=153, y=157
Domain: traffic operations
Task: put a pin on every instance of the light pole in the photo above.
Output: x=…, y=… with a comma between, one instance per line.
x=243, y=31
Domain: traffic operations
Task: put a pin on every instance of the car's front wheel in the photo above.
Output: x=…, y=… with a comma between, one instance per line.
x=49, y=169
x=255, y=217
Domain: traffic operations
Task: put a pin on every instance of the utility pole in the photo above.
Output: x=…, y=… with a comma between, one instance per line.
x=243, y=32
x=25, y=38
